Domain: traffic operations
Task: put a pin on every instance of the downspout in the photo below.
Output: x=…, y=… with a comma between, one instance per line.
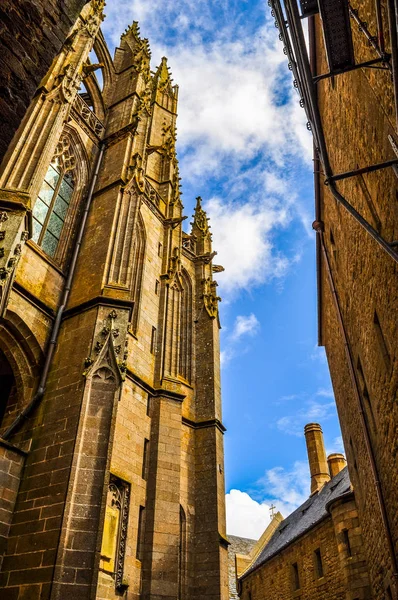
x=317, y=165
x=58, y=319
x=321, y=250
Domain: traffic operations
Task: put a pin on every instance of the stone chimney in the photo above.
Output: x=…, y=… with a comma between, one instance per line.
x=336, y=463
x=316, y=456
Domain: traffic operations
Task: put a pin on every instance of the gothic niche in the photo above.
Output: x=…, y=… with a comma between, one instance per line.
x=114, y=537
x=179, y=327
x=129, y=252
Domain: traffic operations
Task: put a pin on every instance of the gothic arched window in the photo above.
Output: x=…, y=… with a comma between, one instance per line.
x=54, y=198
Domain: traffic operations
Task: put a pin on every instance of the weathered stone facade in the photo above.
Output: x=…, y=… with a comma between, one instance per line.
x=31, y=34
x=357, y=282
x=109, y=347
x=317, y=551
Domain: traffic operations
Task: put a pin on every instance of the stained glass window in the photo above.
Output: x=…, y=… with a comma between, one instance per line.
x=51, y=206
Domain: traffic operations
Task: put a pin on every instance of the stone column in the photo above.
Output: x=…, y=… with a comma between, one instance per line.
x=162, y=521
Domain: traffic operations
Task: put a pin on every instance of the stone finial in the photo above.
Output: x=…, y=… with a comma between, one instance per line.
x=162, y=79
x=336, y=463
x=319, y=469
x=200, y=219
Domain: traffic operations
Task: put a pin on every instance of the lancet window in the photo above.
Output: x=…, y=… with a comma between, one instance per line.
x=54, y=199
x=137, y=270
x=184, y=366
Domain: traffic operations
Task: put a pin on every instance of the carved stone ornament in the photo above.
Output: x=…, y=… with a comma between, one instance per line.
x=70, y=81
x=169, y=140
x=210, y=297
x=137, y=171
x=174, y=263
x=120, y=491
x=10, y=251
x=88, y=116
x=108, y=337
x=200, y=218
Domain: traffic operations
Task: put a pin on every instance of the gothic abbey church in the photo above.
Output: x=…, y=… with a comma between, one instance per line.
x=111, y=450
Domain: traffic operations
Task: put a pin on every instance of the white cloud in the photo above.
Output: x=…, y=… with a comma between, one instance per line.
x=336, y=446
x=285, y=489
x=311, y=410
x=245, y=326
x=237, y=107
x=246, y=517
x=242, y=237
x=319, y=354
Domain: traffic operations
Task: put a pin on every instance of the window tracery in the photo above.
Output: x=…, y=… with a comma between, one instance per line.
x=54, y=199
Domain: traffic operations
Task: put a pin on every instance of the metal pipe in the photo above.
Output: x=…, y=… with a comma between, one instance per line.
x=363, y=65
x=355, y=172
x=317, y=191
x=57, y=323
x=392, y=6
x=362, y=26
x=298, y=42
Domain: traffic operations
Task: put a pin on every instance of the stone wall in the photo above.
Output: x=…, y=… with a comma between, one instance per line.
x=357, y=110
x=31, y=34
x=343, y=574
x=11, y=465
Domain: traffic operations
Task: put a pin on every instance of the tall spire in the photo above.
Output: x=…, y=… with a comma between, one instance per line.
x=163, y=87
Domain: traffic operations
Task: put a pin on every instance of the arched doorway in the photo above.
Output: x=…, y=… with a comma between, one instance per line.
x=8, y=388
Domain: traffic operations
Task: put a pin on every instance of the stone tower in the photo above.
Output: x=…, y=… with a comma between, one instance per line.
x=112, y=449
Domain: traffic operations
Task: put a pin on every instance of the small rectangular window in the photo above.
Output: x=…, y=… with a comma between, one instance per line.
x=382, y=342
x=346, y=540
x=153, y=340
x=318, y=563
x=295, y=577
x=157, y=287
x=140, y=534
x=333, y=245
x=367, y=401
x=160, y=249
x=149, y=405
x=145, y=460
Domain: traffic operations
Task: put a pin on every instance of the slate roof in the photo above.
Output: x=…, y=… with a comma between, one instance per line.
x=304, y=518
x=238, y=545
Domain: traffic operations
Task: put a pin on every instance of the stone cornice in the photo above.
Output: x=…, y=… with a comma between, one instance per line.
x=98, y=301
x=154, y=392
x=204, y=424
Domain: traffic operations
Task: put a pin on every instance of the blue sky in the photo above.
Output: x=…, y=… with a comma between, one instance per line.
x=244, y=147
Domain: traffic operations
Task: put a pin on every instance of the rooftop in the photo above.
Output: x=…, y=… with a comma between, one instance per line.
x=304, y=518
